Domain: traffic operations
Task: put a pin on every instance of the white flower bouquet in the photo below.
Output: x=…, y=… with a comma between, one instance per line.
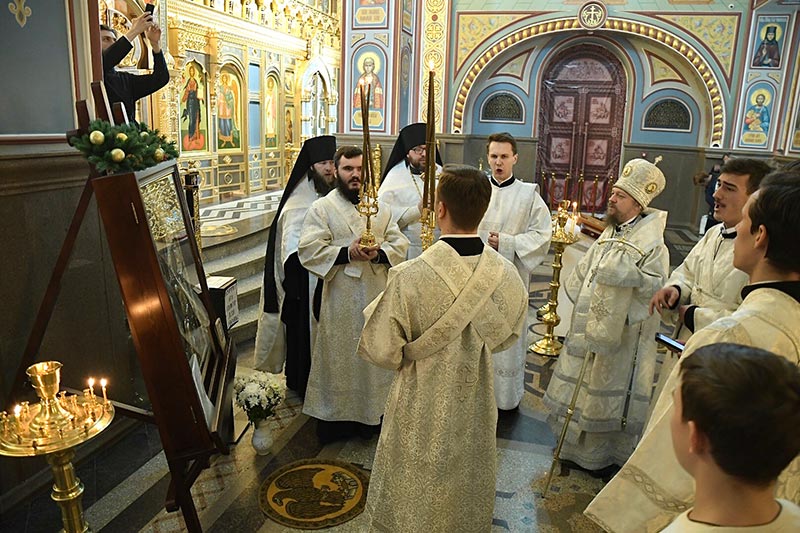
x=259, y=394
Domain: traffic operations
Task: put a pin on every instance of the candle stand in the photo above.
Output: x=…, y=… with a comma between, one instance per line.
x=53, y=428
x=549, y=345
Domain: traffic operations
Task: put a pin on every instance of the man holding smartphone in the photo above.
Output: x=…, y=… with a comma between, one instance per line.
x=125, y=87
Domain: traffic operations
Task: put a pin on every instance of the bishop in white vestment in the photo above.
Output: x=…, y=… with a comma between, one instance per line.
x=436, y=326
x=611, y=288
x=342, y=386
x=518, y=225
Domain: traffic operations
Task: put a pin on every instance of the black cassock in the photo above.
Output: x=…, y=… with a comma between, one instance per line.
x=295, y=315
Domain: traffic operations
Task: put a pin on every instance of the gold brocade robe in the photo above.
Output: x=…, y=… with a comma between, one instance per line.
x=436, y=326
x=611, y=287
x=341, y=386
x=652, y=488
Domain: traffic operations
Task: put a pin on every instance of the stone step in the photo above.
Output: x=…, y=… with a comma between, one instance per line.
x=249, y=290
x=240, y=265
x=251, y=233
x=245, y=329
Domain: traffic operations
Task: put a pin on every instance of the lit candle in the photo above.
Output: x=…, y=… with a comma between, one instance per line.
x=91, y=387
x=103, y=383
x=573, y=219
x=17, y=411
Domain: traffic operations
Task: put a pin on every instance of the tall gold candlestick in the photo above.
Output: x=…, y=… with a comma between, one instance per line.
x=549, y=345
x=429, y=187
x=368, y=197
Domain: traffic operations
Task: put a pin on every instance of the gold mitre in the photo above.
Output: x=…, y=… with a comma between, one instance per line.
x=642, y=180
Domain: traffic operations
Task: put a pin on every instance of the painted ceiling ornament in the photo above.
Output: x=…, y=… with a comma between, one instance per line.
x=20, y=11
x=592, y=15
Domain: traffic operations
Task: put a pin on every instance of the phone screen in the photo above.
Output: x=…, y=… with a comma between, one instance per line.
x=149, y=8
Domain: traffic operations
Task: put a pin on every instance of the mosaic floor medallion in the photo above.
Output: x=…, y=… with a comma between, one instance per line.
x=314, y=493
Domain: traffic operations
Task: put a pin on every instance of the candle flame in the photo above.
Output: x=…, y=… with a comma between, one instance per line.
x=91, y=382
x=17, y=410
x=103, y=382
x=574, y=204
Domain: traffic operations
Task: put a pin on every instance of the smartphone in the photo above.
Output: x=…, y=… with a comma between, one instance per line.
x=149, y=8
x=671, y=344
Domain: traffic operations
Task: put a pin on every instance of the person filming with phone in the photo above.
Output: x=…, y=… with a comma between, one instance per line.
x=125, y=87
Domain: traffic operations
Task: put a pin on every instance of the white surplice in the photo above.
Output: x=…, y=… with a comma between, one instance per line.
x=652, y=488
x=341, y=385
x=522, y=219
x=270, y=352
x=403, y=191
x=436, y=326
x=611, y=287
x=707, y=279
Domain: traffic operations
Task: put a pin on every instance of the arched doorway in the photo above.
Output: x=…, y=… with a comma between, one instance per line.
x=581, y=120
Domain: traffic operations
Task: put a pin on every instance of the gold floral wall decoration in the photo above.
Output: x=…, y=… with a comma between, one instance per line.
x=20, y=11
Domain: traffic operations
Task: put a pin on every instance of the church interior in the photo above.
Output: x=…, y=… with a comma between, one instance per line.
x=583, y=86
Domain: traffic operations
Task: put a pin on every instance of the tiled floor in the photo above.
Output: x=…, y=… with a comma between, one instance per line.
x=126, y=483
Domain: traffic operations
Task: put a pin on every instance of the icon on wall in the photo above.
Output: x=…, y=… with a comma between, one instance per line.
x=194, y=114
x=229, y=110
x=271, y=114
x=369, y=61
x=756, y=120
x=768, y=42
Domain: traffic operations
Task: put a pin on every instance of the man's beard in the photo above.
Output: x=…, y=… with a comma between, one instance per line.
x=612, y=219
x=414, y=169
x=350, y=194
x=322, y=187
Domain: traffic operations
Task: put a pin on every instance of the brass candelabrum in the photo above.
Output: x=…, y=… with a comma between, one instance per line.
x=428, y=218
x=53, y=428
x=549, y=345
x=368, y=198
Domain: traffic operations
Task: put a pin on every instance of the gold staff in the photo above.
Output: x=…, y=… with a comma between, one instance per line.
x=368, y=196
x=429, y=188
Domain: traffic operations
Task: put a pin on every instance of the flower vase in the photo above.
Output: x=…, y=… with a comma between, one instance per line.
x=262, y=437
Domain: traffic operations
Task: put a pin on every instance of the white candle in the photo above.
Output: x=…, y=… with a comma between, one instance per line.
x=17, y=411
x=103, y=383
x=91, y=387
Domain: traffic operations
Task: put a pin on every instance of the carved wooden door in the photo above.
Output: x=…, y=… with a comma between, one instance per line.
x=581, y=118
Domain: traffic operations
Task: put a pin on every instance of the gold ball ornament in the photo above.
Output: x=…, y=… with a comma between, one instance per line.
x=121, y=137
x=117, y=155
x=159, y=154
x=97, y=137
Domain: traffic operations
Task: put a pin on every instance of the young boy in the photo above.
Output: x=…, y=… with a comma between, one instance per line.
x=735, y=427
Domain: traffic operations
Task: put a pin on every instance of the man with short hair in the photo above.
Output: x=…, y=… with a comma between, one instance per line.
x=706, y=286
x=436, y=326
x=611, y=288
x=344, y=392
x=125, y=87
x=284, y=326
x=735, y=426
x=651, y=489
x=404, y=182
x=517, y=224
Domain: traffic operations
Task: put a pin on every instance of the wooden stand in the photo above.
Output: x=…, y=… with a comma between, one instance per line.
x=190, y=433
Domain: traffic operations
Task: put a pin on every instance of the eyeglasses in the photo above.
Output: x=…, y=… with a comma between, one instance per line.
x=419, y=150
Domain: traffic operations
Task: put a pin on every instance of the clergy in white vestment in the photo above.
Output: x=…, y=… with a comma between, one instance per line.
x=436, y=326
x=284, y=325
x=342, y=388
x=611, y=288
x=517, y=224
x=706, y=286
x=651, y=489
x=403, y=183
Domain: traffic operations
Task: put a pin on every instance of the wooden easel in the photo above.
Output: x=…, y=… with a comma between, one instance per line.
x=188, y=440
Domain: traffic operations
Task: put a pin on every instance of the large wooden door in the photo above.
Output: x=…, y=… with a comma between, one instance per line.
x=581, y=118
